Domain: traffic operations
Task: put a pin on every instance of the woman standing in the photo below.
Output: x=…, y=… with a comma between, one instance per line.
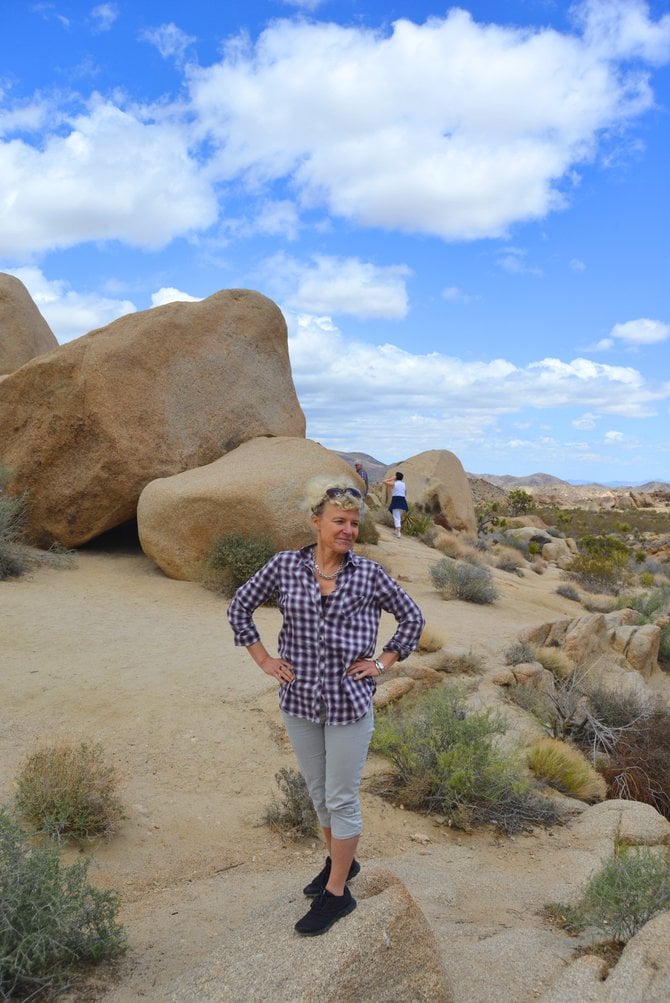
x=398, y=500
x=331, y=602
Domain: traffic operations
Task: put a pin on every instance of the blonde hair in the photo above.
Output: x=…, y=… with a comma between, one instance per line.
x=316, y=493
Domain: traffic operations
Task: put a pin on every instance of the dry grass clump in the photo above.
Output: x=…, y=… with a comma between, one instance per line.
x=449, y=545
x=67, y=790
x=465, y=663
x=431, y=640
x=568, y=592
x=564, y=767
x=293, y=814
x=508, y=559
x=555, y=660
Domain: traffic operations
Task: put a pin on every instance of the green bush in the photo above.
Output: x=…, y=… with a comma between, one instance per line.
x=69, y=791
x=460, y=580
x=628, y=891
x=367, y=531
x=294, y=813
x=446, y=760
x=664, y=647
x=234, y=558
x=51, y=918
x=647, y=603
x=602, y=563
x=417, y=523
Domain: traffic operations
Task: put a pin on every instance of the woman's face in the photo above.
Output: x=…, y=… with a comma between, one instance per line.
x=336, y=528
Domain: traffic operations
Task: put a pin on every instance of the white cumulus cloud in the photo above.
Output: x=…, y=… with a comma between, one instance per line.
x=641, y=332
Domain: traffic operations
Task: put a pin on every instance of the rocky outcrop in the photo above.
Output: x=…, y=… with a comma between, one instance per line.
x=257, y=488
x=87, y=427
x=384, y=951
x=603, y=642
x=642, y=973
x=24, y=333
x=437, y=481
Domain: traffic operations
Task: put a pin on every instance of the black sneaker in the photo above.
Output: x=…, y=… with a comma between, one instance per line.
x=317, y=884
x=325, y=910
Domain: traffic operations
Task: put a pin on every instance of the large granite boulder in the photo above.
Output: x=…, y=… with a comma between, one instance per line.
x=437, y=481
x=85, y=428
x=24, y=333
x=383, y=951
x=257, y=488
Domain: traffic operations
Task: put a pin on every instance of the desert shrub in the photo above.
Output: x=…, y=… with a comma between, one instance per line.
x=638, y=766
x=555, y=660
x=367, y=531
x=627, y=891
x=462, y=663
x=602, y=563
x=66, y=790
x=12, y=514
x=417, y=522
x=512, y=542
x=459, y=580
x=519, y=652
x=647, y=604
x=566, y=768
x=568, y=592
x=535, y=701
x=664, y=647
x=234, y=558
x=509, y=560
x=293, y=813
x=446, y=760
x=51, y=918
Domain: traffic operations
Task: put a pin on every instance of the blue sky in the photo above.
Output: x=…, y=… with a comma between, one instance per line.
x=463, y=212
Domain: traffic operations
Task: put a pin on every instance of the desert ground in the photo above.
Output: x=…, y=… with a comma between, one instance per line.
x=114, y=651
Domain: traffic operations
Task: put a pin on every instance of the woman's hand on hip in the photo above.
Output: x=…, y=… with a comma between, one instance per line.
x=279, y=668
x=363, y=667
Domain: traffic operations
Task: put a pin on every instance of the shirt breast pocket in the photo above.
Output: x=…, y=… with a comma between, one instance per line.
x=352, y=606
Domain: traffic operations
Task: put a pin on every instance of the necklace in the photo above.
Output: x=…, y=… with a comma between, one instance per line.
x=328, y=578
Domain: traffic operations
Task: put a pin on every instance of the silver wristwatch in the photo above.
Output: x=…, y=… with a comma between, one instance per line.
x=379, y=665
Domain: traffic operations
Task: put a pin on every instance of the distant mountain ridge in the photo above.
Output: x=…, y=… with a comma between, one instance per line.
x=377, y=468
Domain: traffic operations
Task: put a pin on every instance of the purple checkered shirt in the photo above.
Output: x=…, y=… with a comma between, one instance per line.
x=321, y=644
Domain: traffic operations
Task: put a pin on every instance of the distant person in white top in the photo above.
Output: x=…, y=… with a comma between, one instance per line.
x=398, y=500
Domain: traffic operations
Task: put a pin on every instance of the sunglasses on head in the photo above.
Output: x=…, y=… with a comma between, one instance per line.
x=338, y=492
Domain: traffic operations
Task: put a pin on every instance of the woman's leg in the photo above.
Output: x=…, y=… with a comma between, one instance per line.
x=307, y=739
x=346, y=752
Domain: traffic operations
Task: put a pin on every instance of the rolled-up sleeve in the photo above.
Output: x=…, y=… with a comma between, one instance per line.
x=409, y=617
x=248, y=598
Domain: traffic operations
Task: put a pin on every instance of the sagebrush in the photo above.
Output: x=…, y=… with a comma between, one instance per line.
x=460, y=580
x=69, y=790
x=627, y=891
x=446, y=760
x=51, y=918
x=294, y=812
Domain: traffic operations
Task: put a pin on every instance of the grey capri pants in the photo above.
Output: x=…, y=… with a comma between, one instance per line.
x=331, y=758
